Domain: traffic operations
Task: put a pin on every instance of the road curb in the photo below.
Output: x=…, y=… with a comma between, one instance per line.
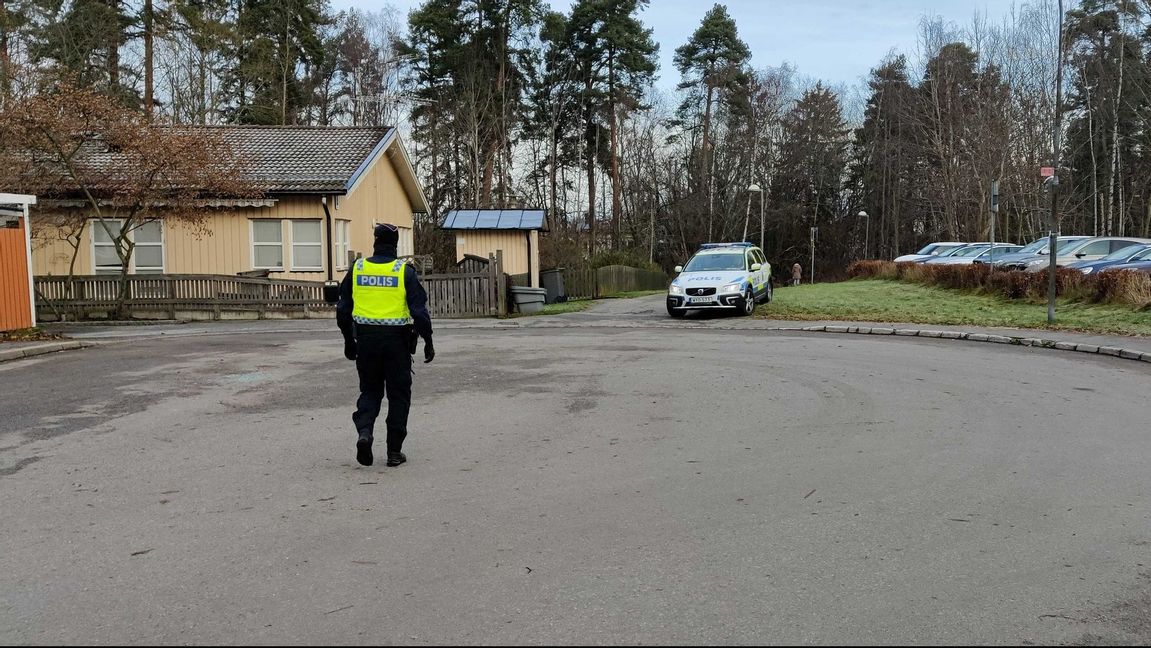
x=1059, y=345
x=41, y=349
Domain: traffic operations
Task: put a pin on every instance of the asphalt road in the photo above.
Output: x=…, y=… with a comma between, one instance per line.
x=587, y=485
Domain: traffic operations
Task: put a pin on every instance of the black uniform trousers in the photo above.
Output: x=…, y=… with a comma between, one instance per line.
x=384, y=362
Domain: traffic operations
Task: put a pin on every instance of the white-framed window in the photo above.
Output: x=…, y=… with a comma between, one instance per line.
x=307, y=245
x=147, y=255
x=340, y=244
x=267, y=244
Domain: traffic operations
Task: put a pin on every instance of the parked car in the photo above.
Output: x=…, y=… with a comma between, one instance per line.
x=1025, y=251
x=967, y=248
x=1141, y=266
x=930, y=250
x=1091, y=249
x=733, y=276
x=1036, y=250
x=979, y=255
x=1129, y=254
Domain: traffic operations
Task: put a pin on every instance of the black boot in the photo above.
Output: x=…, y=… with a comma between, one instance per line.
x=396, y=458
x=364, y=449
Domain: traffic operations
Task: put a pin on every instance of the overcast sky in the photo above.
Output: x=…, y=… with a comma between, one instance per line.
x=838, y=41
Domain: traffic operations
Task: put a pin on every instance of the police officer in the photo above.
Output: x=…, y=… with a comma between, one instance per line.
x=382, y=312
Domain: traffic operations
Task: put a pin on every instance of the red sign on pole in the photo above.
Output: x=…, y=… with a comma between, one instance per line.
x=1047, y=172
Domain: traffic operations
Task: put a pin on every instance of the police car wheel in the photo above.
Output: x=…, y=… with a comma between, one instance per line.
x=749, y=302
x=770, y=293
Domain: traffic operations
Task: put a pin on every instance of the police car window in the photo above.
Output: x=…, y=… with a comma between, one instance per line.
x=723, y=261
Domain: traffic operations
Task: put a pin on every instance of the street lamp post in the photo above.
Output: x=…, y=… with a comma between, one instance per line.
x=866, y=230
x=1054, y=179
x=754, y=188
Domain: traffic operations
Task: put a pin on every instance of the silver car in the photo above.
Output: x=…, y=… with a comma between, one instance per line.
x=733, y=276
x=930, y=251
x=1091, y=249
x=977, y=254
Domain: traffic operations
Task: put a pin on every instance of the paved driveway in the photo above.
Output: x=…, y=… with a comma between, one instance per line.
x=578, y=485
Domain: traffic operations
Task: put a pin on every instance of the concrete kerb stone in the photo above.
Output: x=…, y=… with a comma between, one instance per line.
x=41, y=349
x=1126, y=354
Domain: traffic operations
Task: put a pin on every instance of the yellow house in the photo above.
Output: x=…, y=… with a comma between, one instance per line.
x=515, y=232
x=324, y=189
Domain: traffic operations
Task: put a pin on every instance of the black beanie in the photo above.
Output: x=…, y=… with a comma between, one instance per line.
x=387, y=234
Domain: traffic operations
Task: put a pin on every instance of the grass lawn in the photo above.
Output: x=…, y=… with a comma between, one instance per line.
x=876, y=300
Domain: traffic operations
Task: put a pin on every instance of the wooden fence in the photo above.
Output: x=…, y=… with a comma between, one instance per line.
x=220, y=296
x=587, y=283
x=469, y=294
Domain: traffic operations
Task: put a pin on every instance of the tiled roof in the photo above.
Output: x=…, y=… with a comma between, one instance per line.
x=302, y=158
x=289, y=159
x=498, y=219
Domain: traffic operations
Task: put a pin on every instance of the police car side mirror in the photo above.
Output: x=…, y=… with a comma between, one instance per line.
x=755, y=267
x=678, y=269
x=331, y=291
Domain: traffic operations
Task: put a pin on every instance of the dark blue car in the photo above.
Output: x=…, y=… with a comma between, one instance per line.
x=1141, y=266
x=1129, y=254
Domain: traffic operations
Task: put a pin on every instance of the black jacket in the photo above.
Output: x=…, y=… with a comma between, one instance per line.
x=417, y=298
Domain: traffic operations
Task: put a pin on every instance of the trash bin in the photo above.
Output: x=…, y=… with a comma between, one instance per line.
x=528, y=300
x=553, y=281
x=331, y=291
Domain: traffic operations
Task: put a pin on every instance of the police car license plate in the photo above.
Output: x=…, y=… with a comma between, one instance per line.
x=701, y=300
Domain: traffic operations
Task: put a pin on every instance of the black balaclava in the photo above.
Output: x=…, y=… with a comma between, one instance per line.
x=387, y=240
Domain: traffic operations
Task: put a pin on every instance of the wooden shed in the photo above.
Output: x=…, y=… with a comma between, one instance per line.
x=17, y=306
x=481, y=232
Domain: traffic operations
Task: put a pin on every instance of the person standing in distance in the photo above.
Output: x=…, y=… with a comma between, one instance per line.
x=382, y=312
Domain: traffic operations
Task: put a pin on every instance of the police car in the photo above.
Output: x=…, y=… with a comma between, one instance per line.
x=721, y=276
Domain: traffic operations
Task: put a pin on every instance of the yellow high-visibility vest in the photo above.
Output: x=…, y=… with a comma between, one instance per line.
x=379, y=295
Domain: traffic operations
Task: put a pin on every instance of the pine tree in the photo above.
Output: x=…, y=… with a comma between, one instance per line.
x=713, y=64
x=276, y=38
x=885, y=156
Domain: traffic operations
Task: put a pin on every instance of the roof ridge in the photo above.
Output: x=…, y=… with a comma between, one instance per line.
x=278, y=127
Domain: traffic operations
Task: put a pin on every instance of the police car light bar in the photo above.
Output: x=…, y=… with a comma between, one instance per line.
x=707, y=246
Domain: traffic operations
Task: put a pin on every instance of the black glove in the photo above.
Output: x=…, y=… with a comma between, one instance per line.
x=429, y=351
x=350, y=348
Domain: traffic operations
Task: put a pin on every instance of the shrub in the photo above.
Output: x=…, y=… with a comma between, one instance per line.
x=1122, y=287
x=872, y=270
x=1128, y=287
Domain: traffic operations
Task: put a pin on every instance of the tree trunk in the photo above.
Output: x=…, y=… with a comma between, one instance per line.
x=5, y=59
x=149, y=56
x=592, y=142
x=706, y=169
x=616, y=204
x=113, y=62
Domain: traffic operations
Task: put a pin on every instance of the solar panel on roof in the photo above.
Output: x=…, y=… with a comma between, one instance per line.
x=488, y=219
x=532, y=219
x=509, y=219
x=466, y=219
x=495, y=219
